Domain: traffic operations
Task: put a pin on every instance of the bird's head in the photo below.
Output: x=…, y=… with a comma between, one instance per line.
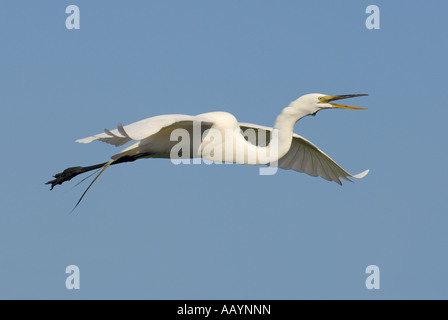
x=312, y=103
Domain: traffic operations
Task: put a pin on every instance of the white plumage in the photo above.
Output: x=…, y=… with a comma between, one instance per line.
x=153, y=136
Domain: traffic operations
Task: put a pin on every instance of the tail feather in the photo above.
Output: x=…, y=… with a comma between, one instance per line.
x=91, y=184
x=86, y=178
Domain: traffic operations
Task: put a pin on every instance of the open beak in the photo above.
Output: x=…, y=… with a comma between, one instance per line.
x=329, y=99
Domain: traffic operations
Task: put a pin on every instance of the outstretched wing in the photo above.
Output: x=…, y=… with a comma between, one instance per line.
x=304, y=156
x=142, y=129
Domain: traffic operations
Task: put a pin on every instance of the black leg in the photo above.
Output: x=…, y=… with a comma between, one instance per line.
x=70, y=173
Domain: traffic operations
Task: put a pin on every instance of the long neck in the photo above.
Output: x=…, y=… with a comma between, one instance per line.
x=284, y=126
x=251, y=153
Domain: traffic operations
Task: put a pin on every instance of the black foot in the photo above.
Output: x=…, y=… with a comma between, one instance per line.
x=70, y=173
x=67, y=175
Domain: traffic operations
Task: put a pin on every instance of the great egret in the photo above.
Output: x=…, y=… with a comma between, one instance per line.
x=283, y=148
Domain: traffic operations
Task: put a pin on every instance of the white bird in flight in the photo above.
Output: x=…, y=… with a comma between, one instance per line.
x=282, y=148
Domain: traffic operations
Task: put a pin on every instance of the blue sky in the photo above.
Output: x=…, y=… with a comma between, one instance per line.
x=152, y=230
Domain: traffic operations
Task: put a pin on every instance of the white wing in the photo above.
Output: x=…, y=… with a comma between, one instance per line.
x=142, y=129
x=303, y=156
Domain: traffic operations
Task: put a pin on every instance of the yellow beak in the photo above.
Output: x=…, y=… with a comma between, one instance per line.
x=329, y=99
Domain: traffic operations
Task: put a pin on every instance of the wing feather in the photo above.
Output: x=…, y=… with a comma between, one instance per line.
x=304, y=156
x=141, y=130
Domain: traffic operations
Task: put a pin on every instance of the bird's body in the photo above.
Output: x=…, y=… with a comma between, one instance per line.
x=214, y=136
x=218, y=136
